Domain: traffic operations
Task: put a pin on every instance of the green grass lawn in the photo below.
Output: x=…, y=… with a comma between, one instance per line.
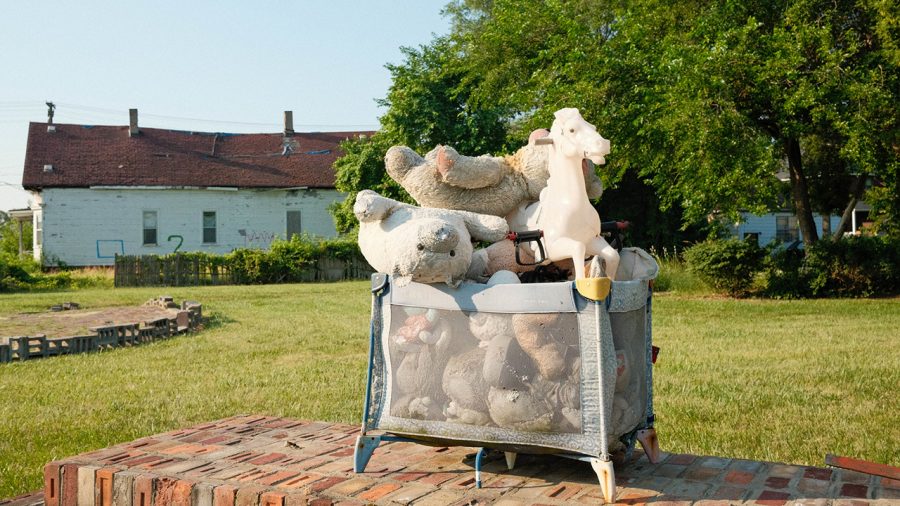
x=773, y=380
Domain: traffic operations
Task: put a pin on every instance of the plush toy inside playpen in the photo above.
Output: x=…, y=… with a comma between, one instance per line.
x=562, y=368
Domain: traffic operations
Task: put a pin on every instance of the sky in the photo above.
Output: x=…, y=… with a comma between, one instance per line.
x=223, y=66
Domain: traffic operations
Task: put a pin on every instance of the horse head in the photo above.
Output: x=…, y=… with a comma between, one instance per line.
x=575, y=137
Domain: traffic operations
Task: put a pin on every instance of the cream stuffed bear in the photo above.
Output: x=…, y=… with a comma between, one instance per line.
x=468, y=376
x=417, y=244
x=422, y=344
x=484, y=184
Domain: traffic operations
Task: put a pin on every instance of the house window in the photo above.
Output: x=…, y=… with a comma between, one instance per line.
x=293, y=224
x=150, y=228
x=752, y=237
x=786, y=229
x=209, y=227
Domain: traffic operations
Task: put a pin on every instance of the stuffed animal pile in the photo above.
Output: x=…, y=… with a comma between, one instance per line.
x=516, y=371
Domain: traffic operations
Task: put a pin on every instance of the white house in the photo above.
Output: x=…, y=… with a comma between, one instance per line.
x=98, y=191
x=783, y=227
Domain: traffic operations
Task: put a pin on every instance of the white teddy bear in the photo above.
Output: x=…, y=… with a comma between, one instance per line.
x=416, y=244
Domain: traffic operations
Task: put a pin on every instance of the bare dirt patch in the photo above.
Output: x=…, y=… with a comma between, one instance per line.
x=76, y=322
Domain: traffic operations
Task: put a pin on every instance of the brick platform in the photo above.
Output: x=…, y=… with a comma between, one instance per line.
x=266, y=461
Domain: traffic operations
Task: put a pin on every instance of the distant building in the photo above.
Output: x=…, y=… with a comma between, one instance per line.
x=782, y=226
x=99, y=191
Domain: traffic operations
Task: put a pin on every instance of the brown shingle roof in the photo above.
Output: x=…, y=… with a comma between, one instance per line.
x=84, y=156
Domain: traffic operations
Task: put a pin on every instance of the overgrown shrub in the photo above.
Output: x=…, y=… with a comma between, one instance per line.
x=19, y=274
x=286, y=260
x=726, y=264
x=850, y=267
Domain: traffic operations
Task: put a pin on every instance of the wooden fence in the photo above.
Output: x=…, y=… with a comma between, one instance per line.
x=182, y=270
x=172, y=270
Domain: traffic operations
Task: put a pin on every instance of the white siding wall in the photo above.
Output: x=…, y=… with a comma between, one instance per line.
x=765, y=226
x=88, y=226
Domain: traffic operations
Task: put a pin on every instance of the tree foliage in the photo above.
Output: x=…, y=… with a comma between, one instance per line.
x=708, y=100
x=704, y=100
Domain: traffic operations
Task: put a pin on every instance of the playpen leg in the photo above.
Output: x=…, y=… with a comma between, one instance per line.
x=362, y=452
x=650, y=444
x=510, y=460
x=607, y=478
x=478, y=457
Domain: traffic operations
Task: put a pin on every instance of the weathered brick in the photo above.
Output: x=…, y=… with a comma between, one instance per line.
x=300, y=481
x=436, y=478
x=248, y=496
x=729, y=493
x=52, y=483
x=165, y=489
x=772, y=498
x=440, y=497
x=326, y=483
x=271, y=499
x=563, y=492
x=224, y=495
x=103, y=486
x=86, y=476
x=854, y=490
x=267, y=459
x=202, y=494
x=783, y=471
x=278, y=477
x=739, y=477
x=817, y=473
x=410, y=476
x=811, y=487
x=680, y=459
x=890, y=483
x=379, y=491
x=701, y=473
x=182, y=493
x=777, y=482
x=352, y=486
x=142, y=494
x=123, y=485
x=296, y=499
x=408, y=494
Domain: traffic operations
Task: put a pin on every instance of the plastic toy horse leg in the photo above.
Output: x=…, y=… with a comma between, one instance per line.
x=650, y=444
x=599, y=246
x=510, y=459
x=607, y=478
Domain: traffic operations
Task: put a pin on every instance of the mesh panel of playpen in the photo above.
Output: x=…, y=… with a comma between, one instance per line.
x=513, y=366
x=514, y=371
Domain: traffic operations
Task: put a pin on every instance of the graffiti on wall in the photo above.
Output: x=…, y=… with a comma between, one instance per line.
x=257, y=238
x=109, y=248
x=180, y=241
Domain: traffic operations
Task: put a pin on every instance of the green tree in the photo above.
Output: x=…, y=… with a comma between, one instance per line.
x=708, y=100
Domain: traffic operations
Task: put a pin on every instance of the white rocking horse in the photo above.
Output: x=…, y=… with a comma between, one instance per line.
x=570, y=224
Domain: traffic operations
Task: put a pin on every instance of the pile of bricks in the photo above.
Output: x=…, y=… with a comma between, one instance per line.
x=266, y=461
x=187, y=319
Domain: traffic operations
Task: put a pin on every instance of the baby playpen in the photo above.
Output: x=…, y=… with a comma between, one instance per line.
x=562, y=368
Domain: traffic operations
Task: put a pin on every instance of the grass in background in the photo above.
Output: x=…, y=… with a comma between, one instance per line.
x=674, y=276
x=773, y=380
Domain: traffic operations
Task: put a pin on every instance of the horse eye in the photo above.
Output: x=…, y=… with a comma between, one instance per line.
x=421, y=247
x=452, y=253
x=572, y=130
